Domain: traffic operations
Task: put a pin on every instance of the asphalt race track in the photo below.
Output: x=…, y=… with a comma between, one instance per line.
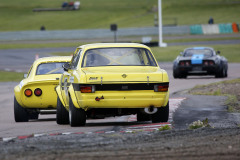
x=47, y=123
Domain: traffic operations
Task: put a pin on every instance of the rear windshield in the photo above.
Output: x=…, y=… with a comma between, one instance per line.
x=118, y=57
x=205, y=52
x=50, y=68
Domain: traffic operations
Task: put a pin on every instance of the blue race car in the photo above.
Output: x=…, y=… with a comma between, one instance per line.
x=200, y=61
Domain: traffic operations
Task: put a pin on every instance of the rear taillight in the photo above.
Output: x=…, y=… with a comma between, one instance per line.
x=28, y=92
x=208, y=63
x=184, y=63
x=211, y=63
x=161, y=88
x=38, y=92
x=87, y=89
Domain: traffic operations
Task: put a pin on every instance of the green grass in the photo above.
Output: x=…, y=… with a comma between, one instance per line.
x=199, y=11
x=38, y=45
x=43, y=44
x=164, y=128
x=10, y=76
x=17, y=15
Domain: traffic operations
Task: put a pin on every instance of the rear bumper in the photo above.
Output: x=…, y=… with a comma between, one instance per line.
x=198, y=70
x=122, y=99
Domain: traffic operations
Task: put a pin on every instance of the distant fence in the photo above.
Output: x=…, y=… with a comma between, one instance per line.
x=91, y=33
x=214, y=28
x=122, y=32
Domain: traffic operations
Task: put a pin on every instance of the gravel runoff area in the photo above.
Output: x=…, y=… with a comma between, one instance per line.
x=221, y=142
x=203, y=143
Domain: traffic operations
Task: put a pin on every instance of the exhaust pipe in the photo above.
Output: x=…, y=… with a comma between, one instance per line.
x=150, y=110
x=54, y=111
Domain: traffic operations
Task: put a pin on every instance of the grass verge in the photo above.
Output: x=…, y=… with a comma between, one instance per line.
x=229, y=88
x=10, y=76
x=164, y=128
x=37, y=45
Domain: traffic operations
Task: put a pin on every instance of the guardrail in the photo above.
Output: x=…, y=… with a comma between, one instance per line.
x=122, y=32
x=90, y=33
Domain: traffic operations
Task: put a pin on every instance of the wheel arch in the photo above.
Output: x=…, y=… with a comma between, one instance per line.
x=17, y=94
x=59, y=95
x=166, y=99
x=72, y=94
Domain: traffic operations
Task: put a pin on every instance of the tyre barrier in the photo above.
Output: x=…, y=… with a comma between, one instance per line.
x=214, y=28
x=225, y=28
x=235, y=27
x=196, y=29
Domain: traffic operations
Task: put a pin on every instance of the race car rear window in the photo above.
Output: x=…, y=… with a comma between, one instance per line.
x=118, y=57
x=50, y=68
x=205, y=52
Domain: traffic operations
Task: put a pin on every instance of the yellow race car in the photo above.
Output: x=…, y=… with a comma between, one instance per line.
x=37, y=91
x=112, y=79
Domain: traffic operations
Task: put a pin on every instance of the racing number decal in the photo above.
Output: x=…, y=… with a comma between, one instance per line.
x=64, y=88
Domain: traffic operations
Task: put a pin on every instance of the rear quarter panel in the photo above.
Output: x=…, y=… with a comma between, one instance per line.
x=48, y=99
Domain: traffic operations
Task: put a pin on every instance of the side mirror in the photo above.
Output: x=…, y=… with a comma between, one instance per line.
x=25, y=75
x=181, y=53
x=66, y=66
x=218, y=52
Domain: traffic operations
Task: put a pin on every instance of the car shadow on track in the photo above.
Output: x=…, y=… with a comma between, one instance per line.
x=96, y=124
x=202, y=77
x=115, y=124
x=42, y=120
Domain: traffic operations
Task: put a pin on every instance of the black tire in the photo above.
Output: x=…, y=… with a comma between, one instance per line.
x=175, y=74
x=226, y=73
x=161, y=115
x=183, y=76
x=143, y=117
x=220, y=73
x=62, y=115
x=33, y=115
x=77, y=116
x=20, y=113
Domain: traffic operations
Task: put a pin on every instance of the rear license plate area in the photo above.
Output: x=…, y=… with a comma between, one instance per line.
x=198, y=68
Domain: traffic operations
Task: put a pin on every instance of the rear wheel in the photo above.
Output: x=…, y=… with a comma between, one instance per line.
x=143, y=117
x=226, y=73
x=161, y=115
x=33, y=115
x=62, y=114
x=175, y=73
x=20, y=113
x=221, y=73
x=183, y=76
x=77, y=116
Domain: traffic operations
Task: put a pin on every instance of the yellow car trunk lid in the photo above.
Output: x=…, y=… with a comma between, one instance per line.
x=128, y=74
x=47, y=77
